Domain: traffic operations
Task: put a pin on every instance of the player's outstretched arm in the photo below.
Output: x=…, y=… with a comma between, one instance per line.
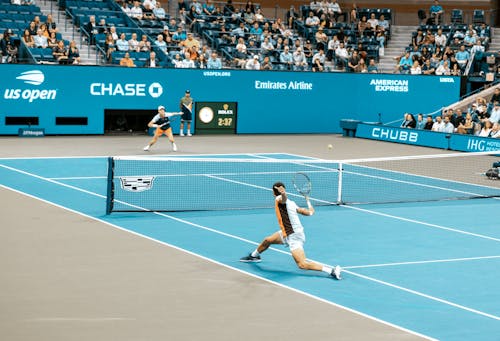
x=306, y=211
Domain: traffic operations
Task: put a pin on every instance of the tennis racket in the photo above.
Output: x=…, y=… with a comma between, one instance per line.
x=302, y=184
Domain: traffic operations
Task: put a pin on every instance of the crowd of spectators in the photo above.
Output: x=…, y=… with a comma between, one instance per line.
x=438, y=49
x=481, y=118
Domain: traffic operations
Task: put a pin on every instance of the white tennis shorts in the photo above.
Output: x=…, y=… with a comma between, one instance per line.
x=294, y=241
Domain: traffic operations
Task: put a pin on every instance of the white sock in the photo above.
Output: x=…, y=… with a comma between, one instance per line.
x=327, y=269
x=255, y=253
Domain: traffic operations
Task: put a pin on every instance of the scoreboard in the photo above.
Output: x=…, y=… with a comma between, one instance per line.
x=215, y=117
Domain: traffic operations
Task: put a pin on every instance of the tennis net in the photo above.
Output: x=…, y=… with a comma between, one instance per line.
x=198, y=183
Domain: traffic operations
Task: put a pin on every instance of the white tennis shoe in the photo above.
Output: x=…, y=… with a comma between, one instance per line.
x=181, y=133
x=189, y=134
x=146, y=148
x=174, y=147
x=336, y=272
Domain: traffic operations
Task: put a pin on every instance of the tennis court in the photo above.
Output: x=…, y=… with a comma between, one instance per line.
x=412, y=270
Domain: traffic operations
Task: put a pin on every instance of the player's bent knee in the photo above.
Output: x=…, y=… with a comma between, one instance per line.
x=303, y=265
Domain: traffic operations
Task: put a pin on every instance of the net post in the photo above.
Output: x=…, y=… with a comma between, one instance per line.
x=110, y=189
x=339, y=184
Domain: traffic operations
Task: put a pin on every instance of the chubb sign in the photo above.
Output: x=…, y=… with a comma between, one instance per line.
x=34, y=78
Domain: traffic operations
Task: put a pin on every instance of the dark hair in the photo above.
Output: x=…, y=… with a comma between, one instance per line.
x=277, y=184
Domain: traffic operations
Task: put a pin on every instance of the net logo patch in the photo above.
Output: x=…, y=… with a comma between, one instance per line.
x=33, y=78
x=154, y=90
x=137, y=184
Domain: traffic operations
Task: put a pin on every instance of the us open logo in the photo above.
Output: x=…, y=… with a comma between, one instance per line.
x=137, y=184
x=33, y=77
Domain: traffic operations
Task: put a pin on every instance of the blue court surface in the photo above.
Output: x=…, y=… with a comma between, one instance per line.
x=431, y=268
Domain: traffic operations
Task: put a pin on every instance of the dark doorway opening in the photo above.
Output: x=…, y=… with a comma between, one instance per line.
x=127, y=121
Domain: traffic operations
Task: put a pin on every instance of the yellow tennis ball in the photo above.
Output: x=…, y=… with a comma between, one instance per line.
x=330, y=146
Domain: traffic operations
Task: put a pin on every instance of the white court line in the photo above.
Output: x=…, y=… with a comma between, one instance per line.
x=419, y=262
x=254, y=243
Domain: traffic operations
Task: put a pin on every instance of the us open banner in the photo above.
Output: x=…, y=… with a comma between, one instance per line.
x=73, y=99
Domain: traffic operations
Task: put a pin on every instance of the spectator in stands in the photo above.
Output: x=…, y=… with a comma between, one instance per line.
x=415, y=68
x=373, y=20
x=409, y=121
x=341, y=56
x=321, y=39
x=51, y=25
x=37, y=21
x=187, y=62
x=318, y=61
x=179, y=35
x=286, y=58
x=160, y=44
x=291, y=16
x=182, y=6
x=462, y=57
x=470, y=39
x=438, y=124
x=240, y=31
x=159, y=11
x=436, y=12
x=125, y=8
x=484, y=34
x=420, y=122
x=228, y=9
x=353, y=61
x=190, y=41
x=136, y=11
x=418, y=39
x=443, y=69
x=496, y=96
x=113, y=33
x=440, y=39
x=91, y=29
x=429, y=123
x=133, y=43
x=109, y=46
x=372, y=66
x=200, y=62
x=429, y=38
x=335, y=11
x=333, y=44
x=214, y=61
x=486, y=129
x=299, y=60
x=383, y=23
x=495, y=131
x=405, y=63
x=266, y=47
x=266, y=64
x=253, y=63
x=308, y=51
x=52, y=41
x=315, y=7
x=122, y=43
x=60, y=52
x=127, y=61
x=256, y=31
x=354, y=13
x=240, y=55
x=147, y=12
x=312, y=20
x=456, y=70
x=151, y=3
x=467, y=127
x=40, y=40
x=103, y=27
x=479, y=110
x=73, y=53
x=249, y=17
x=477, y=48
x=457, y=118
x=447, y=125
x=27, y=39
x=144, y=44
x=362, y=26
x=428, y=68
x=32, y=28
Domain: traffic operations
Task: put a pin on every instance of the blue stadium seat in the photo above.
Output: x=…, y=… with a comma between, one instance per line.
x=457, y=16
x=478, y=16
